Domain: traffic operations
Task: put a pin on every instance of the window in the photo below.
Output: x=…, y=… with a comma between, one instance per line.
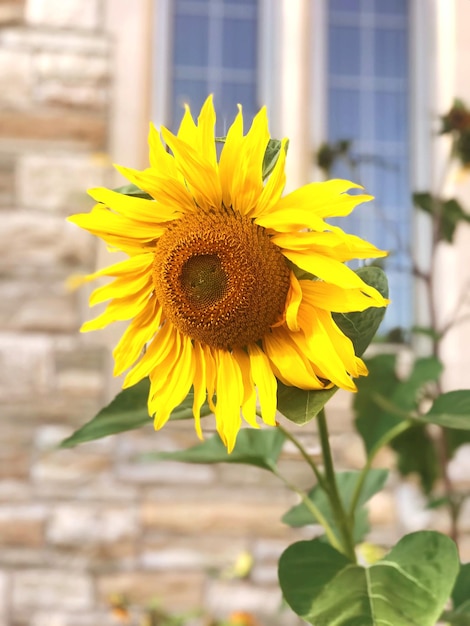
x=214, y=50
x=368, y=97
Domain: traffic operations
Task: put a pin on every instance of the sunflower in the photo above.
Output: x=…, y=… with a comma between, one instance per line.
x=228, y=285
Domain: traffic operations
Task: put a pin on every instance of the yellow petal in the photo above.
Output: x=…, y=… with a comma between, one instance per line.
x=333, y=298
x=230, y=156
x=206, y=132
x=265, y=382
x=172, y=198
x=317, y=345
x=200, y=386
x=230, y=394
x=148, y=212
x=200, y=175
x=170, y=384
x=160, y=160
x=139, y=332
x=103, y=223
x=249, y=397
x=274, y=187
x=164, y=342
x=119, y=310
x=187, y=130
x=294, y=297
x=288, y=362
x=247, y=184
x=334, y=272
x=123, y=286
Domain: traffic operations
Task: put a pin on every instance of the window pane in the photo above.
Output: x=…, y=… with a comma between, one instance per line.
x=345, y=5
x=393, y=7
x=191, y=40
x=344, y=114
x=391, y=53
x=344, y=50
x=391, y=118
x=239, y=43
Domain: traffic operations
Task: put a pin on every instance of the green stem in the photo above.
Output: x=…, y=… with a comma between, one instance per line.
x=339, y=513
x=383, y=441
x=316, y=513
x=319, y=476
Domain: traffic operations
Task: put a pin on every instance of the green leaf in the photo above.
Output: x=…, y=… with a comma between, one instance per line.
x=461, y=591
x=451, y=410
x=301, y=406
x=300, y=515
x=133, y=190
x=127, y=411
x=453, y=214
x=423, y=201
x=361, y=326
x=374, y=420
x=271, y=155
x=408, y=587
x=450, y=211
x=260, y=448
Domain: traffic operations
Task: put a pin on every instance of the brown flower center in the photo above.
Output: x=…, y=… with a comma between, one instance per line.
x=220, y=279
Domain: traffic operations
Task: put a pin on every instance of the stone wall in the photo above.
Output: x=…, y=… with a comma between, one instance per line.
x=79, y=526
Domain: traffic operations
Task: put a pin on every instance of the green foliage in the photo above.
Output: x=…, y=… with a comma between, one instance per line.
x=127, y=411
x=383, y=389
x=133, y=190
x=408, y=587
x=271, y=155
x=301, y=406
x=260, y=448
x=449, y=213
x=460, y=613
x=451, y=410
x=300, y=515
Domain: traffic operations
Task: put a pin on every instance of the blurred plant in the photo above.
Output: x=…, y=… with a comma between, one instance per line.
x=154, y=615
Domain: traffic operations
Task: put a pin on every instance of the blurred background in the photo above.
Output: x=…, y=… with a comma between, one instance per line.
x=358, y=86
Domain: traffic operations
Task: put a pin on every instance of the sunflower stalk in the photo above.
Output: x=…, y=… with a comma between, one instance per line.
x=343, y=520
x=311, y=506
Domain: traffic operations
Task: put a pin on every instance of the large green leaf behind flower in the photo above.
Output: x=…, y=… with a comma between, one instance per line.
x=408, y=587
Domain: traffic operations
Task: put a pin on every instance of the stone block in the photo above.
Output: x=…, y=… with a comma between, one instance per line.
x=75, y=14
x=46, y=40
x=27, y=305
x=87, y=128
x=15, y=78
x=35, y=245
x=11, y=11
x=47, y=588
x=72, y=67
x=81, y=524
x=69, y=466
x=58, y=182
x=178, y=592
x=214, y=517
x=22, y=526
x=167, y=553
x=26, y=366
x=225, y=597
x=4, y=597
x=7, y=177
